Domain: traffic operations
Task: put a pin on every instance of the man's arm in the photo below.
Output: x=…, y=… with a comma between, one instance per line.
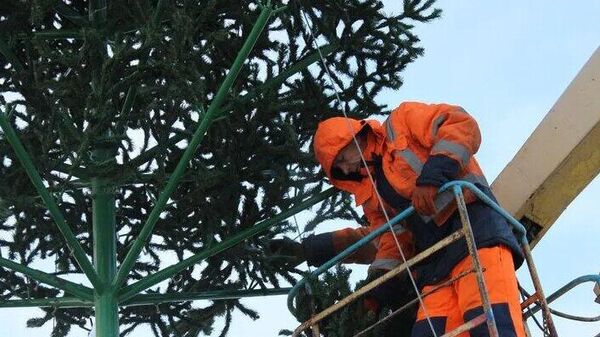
x=320, y=248
x=450, y=134
x=448, y=131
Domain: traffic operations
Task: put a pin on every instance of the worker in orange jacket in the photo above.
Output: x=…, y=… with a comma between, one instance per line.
x=416, y=150
x=381, y=254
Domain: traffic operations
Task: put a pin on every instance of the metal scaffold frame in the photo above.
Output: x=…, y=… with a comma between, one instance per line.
x=465, y=232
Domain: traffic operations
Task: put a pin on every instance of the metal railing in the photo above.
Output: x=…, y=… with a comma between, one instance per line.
x=560, y=292
x=465, y=232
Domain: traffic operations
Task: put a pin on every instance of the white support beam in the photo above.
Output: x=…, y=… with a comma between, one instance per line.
x=561, y=156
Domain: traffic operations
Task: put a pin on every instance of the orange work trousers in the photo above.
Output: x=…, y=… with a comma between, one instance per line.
x=452, y=305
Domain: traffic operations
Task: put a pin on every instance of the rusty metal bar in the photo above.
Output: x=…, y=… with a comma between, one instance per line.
x=352, y=297
x=467, y=326
x=313, y=311
x=563, y=290
x=530, y=300
x=315, y=330
x=518, y=227
x=539, y=291
x=471, y=245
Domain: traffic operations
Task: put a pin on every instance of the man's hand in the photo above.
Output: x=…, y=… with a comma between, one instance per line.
x=423, y=199
x=288, y=248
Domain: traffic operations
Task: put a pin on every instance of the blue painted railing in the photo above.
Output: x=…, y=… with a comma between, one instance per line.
x=516, y=225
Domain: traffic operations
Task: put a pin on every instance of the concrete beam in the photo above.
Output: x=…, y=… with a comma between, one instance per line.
x=559, y=159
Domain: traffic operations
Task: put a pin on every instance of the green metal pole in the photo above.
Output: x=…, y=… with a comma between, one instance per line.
x=103, y=205
x=55, y=212
x=271, y=84
x=105, y=252
x=146, y=299
x=170, y=271
x=276, y=81
x=106, y=305
x=139, y=243
x=70, y=287
x=59, y=302
x=214, y=295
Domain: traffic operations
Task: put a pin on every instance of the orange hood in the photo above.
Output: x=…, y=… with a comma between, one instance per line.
x=334, y=134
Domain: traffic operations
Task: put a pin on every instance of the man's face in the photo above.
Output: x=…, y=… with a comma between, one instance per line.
x=348, y=159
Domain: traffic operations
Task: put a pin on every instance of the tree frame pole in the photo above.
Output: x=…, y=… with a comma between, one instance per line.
x=148, y=281
x=57, y=216
x=58, y=302
x=147, y=299
x=105, y=257
x=72, y=288
x=213, y=295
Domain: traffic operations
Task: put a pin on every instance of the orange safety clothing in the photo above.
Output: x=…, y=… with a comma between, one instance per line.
x=460, y=301
x=421, y=145
x=421, y=138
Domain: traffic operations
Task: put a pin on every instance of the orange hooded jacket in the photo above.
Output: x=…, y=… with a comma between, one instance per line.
x=426, y=144
x=332, y=135
x=413, y=133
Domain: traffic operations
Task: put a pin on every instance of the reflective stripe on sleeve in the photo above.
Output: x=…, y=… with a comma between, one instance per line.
x=389, y=130
x=436, y=125
x=413, y=161
x=457, y=149
x=476, y=179
x=445, y=198
x=387, y=264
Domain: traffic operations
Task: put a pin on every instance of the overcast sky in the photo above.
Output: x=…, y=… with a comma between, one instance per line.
x=506, y=62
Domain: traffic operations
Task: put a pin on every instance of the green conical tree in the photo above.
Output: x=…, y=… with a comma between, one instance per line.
x=132, y=79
